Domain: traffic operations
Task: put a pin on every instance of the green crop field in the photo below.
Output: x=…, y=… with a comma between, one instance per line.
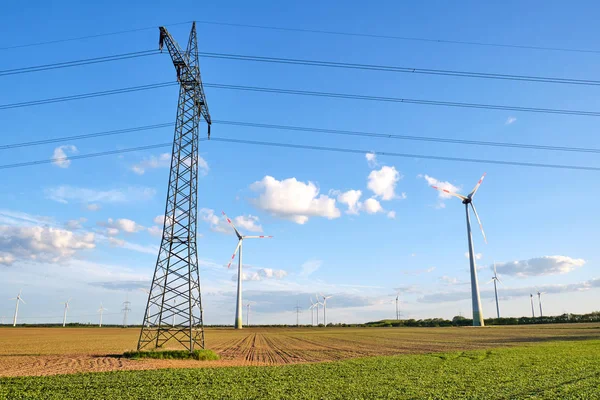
x=550, y=370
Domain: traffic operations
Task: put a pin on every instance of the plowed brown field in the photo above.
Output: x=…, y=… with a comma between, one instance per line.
x=50, y=351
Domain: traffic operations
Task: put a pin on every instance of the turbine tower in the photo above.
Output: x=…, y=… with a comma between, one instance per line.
x=176, y=277
x=66, y=303
x=532, y=309
x=495, y=279
x=540, y=301
x=18, y=299
x=238, y=308
x=101, y=311
x=312, y=312
x=475, y=298
x=397, y=311
x=248, y=315
x=325, y=308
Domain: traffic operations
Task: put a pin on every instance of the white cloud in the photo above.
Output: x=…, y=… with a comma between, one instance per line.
x=65, y=194
x=122, y=224
x=73, y=224
x=42, y=244
x=510, y=120
x=155, y=231
x=163, y=160
x=159, y=220
x=112, y=231
x=59, y=157
x=216, y=224
x=371, y=159
x=391, y=214
x=419, y=271
x=351, y=199
x=372, y=206
x=309, y=267
x=444, y=185
x=247, y=223
x=293, y=200
x=202, y=166
x=383, y=182
x=538, y=266
x=116, y=242
x=93, y=207
x=478, y=256
x=261, y=274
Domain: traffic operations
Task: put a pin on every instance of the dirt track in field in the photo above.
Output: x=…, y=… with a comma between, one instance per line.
x=51, y=351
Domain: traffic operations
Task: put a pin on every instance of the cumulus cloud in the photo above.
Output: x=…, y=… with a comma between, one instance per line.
x=383, y=182
x=371, y=159
x=539, y=266
x=351, y=199
x=510, y=120
x=132, y=194
x=309, y=267
x=59, y=157
x=216, y=223
x=372, y=206
x=293, y=200
x=391, y=214
x=73, y=224
x=155, y=231
x=247, y=223
x=478, y=256
x=116, y=242
x=163, y=160
x=159, y=220
x=121, y=225
x=41, y=244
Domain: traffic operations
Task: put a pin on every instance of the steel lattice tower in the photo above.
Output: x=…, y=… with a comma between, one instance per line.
x=174, y=308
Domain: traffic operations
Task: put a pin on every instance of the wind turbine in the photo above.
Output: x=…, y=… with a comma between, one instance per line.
x=248, y=314
x=475, y=298
x=18, y=299
x=238, y=308
x=66, y=303
x=397, y=313
x=325, y=308
x=532, y=309
x=312, y=312
x=540, y=301
x=101, y=311
x=496, y=279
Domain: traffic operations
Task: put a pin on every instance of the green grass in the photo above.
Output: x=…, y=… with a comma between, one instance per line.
x=200, y=355
x=552, y=370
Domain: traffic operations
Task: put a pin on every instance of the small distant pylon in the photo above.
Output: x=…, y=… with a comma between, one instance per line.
x=126, y=309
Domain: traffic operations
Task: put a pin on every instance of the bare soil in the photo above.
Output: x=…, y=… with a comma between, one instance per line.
x=51, y=351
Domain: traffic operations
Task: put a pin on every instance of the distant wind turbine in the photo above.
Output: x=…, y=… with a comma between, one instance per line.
x=18, y=299
x=532, y=309
x=248, y=314
x=101, y=311
x=540, y=301
x=312, y=312
x=66, y=303
x=325, y=308
x=495, y=279
x=475, y=297
x=397, y=310
x=238, y=308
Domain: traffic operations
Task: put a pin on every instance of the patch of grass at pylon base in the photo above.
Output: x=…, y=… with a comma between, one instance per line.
x=200, y=355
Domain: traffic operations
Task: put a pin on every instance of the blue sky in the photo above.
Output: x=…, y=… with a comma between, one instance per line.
x=540, y=222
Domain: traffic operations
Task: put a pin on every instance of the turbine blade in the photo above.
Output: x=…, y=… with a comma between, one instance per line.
x=234, y=253
x=490, y=281
x=257, y=237
x=478, y=220
x=23, y=301
x=477, y=186
x=232, y=225
x=495, y=273
x=460, y=196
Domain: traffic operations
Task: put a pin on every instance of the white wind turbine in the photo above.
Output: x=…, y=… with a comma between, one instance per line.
x=325, y=307
x=475, y=298
x=66, y=303
x=101, y=311
x=532, y=309
x=397, y=311
x=540, y=301
x=18, y=299
x=312, y=312
x=238, y=308
x=496, y=279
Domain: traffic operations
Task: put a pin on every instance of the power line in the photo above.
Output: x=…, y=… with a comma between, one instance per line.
x=308, y=147
x=315, y=63
x=319, y=31
x=390, y=68
x=308, y=93
x=76, y=63
x=312, y=130
x=74, y=39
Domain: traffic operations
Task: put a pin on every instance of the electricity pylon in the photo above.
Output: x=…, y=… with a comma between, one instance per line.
x=175, y=291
